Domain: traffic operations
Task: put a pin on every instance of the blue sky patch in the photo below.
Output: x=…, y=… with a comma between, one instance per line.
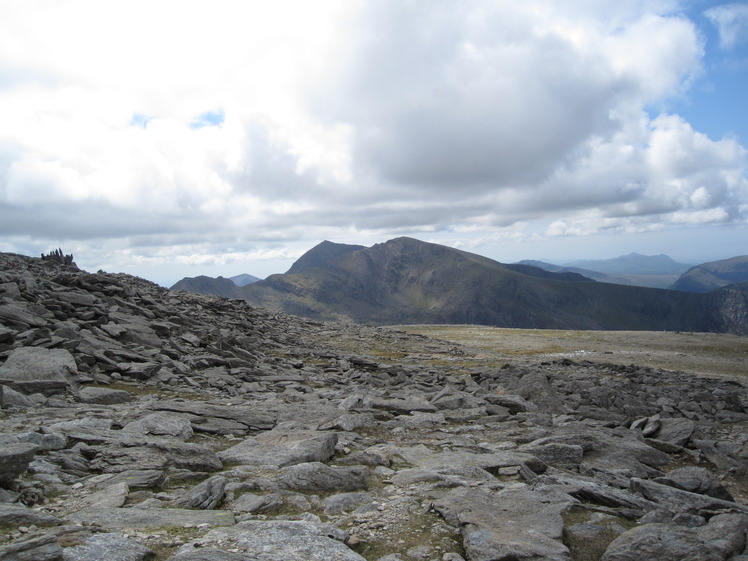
x=139, y=120
x=208, y=119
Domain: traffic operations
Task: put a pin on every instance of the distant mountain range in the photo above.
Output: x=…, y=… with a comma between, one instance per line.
x=244, y=279
x=226, y=288
x=409, y=281
x=655, y=271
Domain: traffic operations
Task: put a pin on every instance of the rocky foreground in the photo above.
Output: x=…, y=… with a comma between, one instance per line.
x=139, y=423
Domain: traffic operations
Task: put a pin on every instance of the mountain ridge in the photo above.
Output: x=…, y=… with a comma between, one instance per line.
x=409, y=281
x=713, y=275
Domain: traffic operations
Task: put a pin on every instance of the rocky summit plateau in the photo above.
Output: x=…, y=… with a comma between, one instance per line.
x=139, y=423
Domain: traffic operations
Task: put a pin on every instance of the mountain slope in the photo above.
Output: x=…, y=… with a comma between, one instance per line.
x=409, y=281
x=321, y=256
x=716, y=274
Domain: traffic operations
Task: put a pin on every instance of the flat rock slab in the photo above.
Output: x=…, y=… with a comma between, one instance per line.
x=509, y=525
x=282, y=448
x=113, y=496
x=316, y=477
x=17, y=313
x=678, y=500
x=282, y=540
x=103, y=396
x=207, y=554
x=35, y=369
x=134, y=478
x=37, y=548
x=153, y=454
x=112, y=547
x=589, y=490
x=490, y=462
x=251, y=418
x=161, y=424
x=403, y=406
x=140, y=518
x=14, y=514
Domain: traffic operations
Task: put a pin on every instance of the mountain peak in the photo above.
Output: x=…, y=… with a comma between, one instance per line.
x=321, y=255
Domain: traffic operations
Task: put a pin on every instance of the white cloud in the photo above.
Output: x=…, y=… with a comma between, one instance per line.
x=234, y=129
x=731, y=21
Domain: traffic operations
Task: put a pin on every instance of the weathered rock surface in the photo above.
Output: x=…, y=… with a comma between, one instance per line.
x=14, y=459
x=114, y=547
x=135, y=518
x=38, y=370
x=161, y=424
x=722, y=538
x=510, y=524
x=696, y=480
x=43, y=547
x=282, y=448
x=207, y=495
x=137, y=420
x=281, y=540
x=15, y=513
x=103, y=396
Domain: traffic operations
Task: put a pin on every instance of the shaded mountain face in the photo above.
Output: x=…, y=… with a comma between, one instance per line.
x=713, y=275
x=321, y=255
x=408, y=281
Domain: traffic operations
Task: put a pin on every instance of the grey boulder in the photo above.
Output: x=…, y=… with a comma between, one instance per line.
x=509, y=525
x=103, y=396
x=37, y=548
x=161, y=424
x=123, y=518
x=282, y=448
x=109, y=546
x=39, y=370
x=283, y=540
x=207, y=495
x=719, y=540
x=14, y=459
x=318, y=477
x=696, y=480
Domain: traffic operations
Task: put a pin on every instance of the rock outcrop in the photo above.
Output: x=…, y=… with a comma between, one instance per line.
x=139, y=423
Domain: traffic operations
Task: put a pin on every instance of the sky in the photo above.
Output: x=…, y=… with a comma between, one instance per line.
x=173, y=138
